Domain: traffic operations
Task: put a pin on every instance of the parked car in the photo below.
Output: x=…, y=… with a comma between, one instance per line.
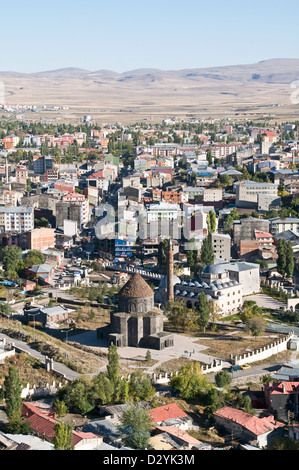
x=235, y=368
x=245, y=366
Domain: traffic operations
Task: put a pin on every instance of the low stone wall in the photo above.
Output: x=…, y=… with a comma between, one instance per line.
x=279, y=345
x=41, y=390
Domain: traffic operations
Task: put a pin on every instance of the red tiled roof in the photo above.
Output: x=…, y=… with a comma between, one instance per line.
x=253, y=424
x=286, y=388
x=162, y=413
x=42, y=422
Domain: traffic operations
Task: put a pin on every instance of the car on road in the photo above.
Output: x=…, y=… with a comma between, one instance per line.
x=235, y=368
x=245, y=366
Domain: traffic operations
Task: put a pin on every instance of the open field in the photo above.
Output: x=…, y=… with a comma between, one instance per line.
x=241, y=91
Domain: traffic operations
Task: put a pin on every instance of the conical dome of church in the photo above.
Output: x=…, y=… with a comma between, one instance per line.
x=136, y=288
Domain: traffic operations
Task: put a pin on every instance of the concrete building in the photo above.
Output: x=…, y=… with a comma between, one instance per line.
x=222, y=247
x=282, y=224
x=16, y=219
x=248, y=192
x=42, y=238
x=244, y=229
x=246, y=274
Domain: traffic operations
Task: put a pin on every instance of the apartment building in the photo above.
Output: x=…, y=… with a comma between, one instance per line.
x=221, y=246
x=16, y=219
x=80, y=200
x=9, y=198
x=41, y=239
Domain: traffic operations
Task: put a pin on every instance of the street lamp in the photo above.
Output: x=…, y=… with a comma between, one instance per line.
x=66, y=339
x=33, y=315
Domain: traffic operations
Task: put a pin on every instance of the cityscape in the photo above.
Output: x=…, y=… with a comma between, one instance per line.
x=149, y=258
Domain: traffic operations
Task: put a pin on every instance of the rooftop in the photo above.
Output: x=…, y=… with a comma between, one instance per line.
x=136, y=287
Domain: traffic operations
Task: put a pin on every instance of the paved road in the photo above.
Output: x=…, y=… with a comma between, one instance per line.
x=69, y=374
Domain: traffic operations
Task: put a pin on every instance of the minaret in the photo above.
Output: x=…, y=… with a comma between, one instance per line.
x=170, y=288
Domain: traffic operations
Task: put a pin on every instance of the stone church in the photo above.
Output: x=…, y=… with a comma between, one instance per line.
x=138, y=322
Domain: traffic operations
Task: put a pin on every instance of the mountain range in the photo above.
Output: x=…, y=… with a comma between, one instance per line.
x=159, y=92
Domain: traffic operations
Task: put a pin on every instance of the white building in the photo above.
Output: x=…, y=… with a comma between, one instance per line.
x=16, y=219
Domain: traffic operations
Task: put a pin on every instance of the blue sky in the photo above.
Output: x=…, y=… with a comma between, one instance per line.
x=123, y=35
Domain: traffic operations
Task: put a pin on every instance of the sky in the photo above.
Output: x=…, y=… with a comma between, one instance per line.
x=124, y=35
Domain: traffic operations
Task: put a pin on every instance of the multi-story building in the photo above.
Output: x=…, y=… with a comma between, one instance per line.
x=248, y=192
x=222, y=246
x=21, y=174
x=16, y=219
x=281, y=224
x=9, y=198
x=10, y=141
x=42, y=239
x=42, y=163
x=80, y=200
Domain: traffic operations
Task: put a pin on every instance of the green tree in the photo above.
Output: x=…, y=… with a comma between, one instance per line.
x=103, y=389
x=283, y=443
x=223, y=379
x=256, y=325
x=113, y=369
x=191, y=253
x=13, y=400
x=282, y=257
x=77, y=396
x=203, y=311
x=290, y=262
x=140, y=387
x=207, y=252
x=135, y=426
x=248, y=310
x=12, y=260
x=60, y=408
x=180, y=316
x=63, y=437
x=190, y=381
x=162, y=253
x=211, y=222
x=34, y=257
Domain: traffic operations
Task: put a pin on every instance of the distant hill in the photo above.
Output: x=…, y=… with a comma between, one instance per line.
x=209, y=90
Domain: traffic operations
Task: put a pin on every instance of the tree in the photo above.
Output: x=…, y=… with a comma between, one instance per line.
x=223, y=379
x=103, y=389
x=248, y=310
x=203, y=311
x=162, y=253
x=13, y=400
x=207, y=252
x=180, y=316
x=191, y=253
x=290, y=263
x=283, y=443
x=140, y=387
x=34, y=257
x=135, y=426
x=77, y=396
x=113, y=368
x=282, y=257
x=190, y=381
x=211, y=222
x=256, y=325
x=12, y=260
x=229, y=220
x=60, y=408
x=63, y=437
